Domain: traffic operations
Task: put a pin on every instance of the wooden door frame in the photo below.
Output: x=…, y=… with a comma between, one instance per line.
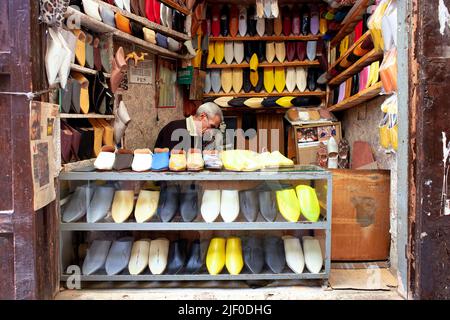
x=429, y=118
x=28, y=239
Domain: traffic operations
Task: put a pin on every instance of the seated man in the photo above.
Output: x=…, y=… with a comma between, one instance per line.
x=189, y=133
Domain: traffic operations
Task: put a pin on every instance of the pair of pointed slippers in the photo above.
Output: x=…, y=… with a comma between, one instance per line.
x=275, y=253
x=159, y=255
x=165, y=203
x=256, y=253
x=162, y=256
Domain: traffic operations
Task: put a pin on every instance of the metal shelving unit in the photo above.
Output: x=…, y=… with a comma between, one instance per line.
x=201, y=277
x=298, y=173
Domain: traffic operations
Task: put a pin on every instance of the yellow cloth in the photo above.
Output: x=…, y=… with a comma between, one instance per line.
x=241, y=160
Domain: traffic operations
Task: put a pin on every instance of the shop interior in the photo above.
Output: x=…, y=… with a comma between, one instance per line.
x=301, y=185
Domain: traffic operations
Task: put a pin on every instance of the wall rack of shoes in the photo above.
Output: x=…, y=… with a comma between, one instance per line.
x=166, y=27
x=353, y=17
x=353, y=75
x=278, y=55
x=137, y=38
x=280, y=218
x=182, y=6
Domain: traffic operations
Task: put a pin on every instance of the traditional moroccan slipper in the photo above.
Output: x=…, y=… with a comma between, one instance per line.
x=215, y=258
x=118, y=256
x=253, y=254
x=139, y=257
x=294, y=254
x=96, y=256
x=233, y=256
x=158, y=255
x=322, y=155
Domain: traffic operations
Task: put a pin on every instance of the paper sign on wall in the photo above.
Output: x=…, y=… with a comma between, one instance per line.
x=42, y=130
x=142, y=73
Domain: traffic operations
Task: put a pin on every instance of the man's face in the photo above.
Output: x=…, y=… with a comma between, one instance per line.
x=208, y=123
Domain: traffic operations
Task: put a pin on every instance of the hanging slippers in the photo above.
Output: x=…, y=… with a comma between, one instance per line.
x=332, y=148
x=343, y=151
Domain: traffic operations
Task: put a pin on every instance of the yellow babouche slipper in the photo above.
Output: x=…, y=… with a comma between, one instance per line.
x=210, y=58
x=215, y=257
x=269, y=79
x=146, y=205
x=122, y=205
x=234, y=261
x=288, y=204
x=139, y=256
x=280, y=79
x=178, y=160
x=219, y=51
x=309, y=203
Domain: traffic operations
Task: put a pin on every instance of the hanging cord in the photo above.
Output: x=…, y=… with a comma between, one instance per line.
x=29, y=95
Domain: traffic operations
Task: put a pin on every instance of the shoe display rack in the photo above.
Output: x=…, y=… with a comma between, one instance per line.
x=320, y=179
x=100, y=27
x=338, y=83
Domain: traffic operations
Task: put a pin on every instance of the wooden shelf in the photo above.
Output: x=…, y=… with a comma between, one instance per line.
x=267, y=38
x=286, y=64
x=176, y=6
x=265, y=94
x=273, y=110
x=358, y=98
x=370, y=57
x=78, y=68
x=85, y=116
x=101, y=27
x=350, y=50
x=147, y=23
x=350, y=21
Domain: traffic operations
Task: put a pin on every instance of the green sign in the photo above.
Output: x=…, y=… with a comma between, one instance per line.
x=185, y=75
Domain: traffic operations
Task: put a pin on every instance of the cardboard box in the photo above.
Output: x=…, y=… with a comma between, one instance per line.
x=361, y=215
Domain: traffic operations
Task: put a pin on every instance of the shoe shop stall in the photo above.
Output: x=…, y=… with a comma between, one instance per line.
x=186, y=143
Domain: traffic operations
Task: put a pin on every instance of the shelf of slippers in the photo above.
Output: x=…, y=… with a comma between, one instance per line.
x=285, y=64
x=85, y=116
x=358, y=98
x=174, y=5
x=199, y=277
x=267, y=38
x=191, y=226
x=205, y=175
x=354, y=15
x=78, y=68
x=371, y=56
x=147, y=23
x=101, y=27
x=363, y=38
x=265, y=94
x=287, y=174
